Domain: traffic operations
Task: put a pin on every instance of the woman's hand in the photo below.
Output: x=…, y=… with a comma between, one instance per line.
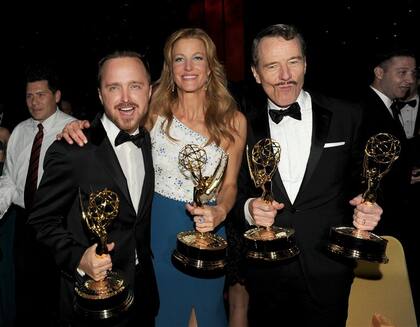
x=207, y=218
x=73, y=132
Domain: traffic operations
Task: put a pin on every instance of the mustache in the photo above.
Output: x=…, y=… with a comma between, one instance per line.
x=122, y=105
x=286, y=83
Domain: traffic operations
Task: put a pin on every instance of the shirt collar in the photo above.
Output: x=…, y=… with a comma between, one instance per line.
x=111, y=129
x=48, y=123
x=301, y=99
x=387, y=101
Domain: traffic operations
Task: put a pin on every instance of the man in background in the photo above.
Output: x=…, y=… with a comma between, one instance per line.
x=391, y=106
x=35, y=271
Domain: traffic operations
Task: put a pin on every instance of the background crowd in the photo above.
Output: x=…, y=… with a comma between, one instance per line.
x=209, y=112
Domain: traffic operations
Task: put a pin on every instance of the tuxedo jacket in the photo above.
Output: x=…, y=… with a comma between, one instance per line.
x=394, y=186
x=414, y=142
x=330, y=181
x=57, y=217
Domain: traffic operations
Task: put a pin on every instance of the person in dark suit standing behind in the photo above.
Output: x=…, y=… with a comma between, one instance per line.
x=394, y=75
x=21, y=297
x=126, y=169
x=320, y=149
x=404, y=203
x=411, y=121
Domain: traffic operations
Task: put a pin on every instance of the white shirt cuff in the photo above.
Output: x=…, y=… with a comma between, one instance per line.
x=248, y=216
x=8, y=193
x=81, y=272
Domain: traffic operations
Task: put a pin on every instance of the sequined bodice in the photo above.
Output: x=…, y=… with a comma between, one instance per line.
x=170, y=181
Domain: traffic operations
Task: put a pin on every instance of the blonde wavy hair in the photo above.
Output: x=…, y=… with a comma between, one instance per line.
x=220, y=105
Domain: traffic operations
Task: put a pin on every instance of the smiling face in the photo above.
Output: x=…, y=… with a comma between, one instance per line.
x=396, y=77
x=125, y=92
x=280, y=69
x=190, y=67
x=41, y=101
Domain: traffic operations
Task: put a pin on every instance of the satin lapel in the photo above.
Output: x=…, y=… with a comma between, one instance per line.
x=417, y=122
x=385, y=118
x=106, y=155
x=321, y=119
x=149, y=180
x=261, y=130
x=277, y=178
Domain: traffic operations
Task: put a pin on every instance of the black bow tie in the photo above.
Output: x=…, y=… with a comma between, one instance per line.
x=125, y=137
x=293, y=111
x=396, y=107
x=411, y=103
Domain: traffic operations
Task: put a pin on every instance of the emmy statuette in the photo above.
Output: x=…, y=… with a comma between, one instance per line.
x=109, y=297
x=271, y=243
x=200, y=253
x=381, y=151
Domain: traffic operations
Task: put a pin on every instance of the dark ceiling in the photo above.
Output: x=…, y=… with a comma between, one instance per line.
x=341, y=35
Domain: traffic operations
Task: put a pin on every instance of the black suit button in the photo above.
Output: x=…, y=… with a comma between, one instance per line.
x=293, y=210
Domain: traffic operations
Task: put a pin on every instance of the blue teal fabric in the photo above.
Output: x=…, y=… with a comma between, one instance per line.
x=179, y=292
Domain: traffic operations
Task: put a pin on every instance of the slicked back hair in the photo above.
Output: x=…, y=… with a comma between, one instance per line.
x=287, y=32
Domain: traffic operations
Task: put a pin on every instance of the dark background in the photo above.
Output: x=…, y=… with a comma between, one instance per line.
x=341, y=35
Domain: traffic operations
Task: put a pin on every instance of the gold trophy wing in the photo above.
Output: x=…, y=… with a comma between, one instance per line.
x=216, y=179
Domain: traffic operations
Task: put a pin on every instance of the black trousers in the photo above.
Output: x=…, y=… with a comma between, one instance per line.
x=36, y=277
x=7, y=270
x=278, y=296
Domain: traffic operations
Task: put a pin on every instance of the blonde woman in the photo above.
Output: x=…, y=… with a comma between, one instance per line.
x=191, y=104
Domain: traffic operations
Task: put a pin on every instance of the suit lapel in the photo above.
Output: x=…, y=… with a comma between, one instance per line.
x=384, y=116
x=261, y=130
x=108, y=158
x=417, y=122
x=148, y=184
x=321, y=119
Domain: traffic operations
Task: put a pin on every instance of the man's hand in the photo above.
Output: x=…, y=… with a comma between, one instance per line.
x=264, y=213
x=366, y=215
x=96, y=266
x=72, y=132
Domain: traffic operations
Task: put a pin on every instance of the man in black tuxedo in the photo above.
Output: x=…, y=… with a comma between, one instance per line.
x=394, y=76
x=126, y=169
x=320, y=153
x=385, y=110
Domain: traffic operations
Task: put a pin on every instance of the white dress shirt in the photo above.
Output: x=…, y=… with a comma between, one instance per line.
x=408, y=116
x=12, y=182
x=294, y=137
x=130, y=158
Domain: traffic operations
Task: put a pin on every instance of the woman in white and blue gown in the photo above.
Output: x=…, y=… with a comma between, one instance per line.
x=191, y=105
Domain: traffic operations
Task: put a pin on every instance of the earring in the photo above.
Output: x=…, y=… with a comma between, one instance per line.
x=173, y=87
x=207, y=84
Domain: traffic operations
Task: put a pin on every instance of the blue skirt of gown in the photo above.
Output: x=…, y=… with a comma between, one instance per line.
x=179, y=292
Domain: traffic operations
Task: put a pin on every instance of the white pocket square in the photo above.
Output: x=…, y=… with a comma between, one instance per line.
x=333, y=144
